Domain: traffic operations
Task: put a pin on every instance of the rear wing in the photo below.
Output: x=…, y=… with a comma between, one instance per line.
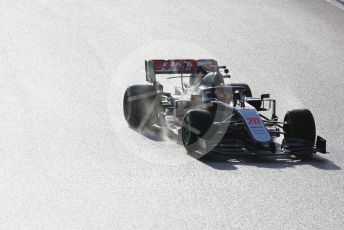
x=176, y=66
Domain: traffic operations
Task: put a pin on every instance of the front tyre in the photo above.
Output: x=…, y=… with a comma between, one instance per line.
x=299, y=124
x=195, y=124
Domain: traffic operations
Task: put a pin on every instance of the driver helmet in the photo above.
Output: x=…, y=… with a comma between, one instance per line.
x=224, y=94
x=212, y=80
x=198, y=74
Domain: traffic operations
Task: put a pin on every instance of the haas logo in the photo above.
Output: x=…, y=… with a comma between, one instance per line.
x=176, y=65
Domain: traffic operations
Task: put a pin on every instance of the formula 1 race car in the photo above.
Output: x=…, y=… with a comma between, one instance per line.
x=209, y=116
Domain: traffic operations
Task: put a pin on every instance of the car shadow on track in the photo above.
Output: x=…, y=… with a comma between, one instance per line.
x=318, y=162
x=273, y=162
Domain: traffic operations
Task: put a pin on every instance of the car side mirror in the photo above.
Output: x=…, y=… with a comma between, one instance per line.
x=264, y=96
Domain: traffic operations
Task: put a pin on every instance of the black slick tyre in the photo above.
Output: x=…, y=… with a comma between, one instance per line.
x=195, y=124
x=299, y=124
x=141, y=106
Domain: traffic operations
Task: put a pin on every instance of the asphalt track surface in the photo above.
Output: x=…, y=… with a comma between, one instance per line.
x=68, y=160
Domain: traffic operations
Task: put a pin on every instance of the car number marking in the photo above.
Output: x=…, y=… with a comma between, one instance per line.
x=255, y=125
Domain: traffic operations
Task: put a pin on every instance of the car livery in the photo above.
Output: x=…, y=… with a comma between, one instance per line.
x=211, y=117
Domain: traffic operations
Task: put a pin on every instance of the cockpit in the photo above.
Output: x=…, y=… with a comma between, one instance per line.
x=221, y=93
x=212, y=80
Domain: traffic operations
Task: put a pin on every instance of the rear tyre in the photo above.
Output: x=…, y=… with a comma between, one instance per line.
x=299, y=124
x=195, y=124
x=141, y=105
